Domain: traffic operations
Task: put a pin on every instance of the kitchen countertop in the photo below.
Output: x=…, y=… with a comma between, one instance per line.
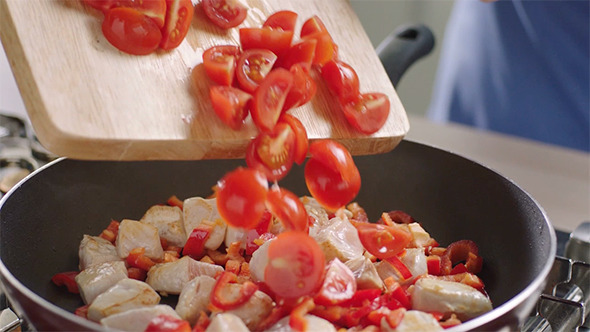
x=557, y=178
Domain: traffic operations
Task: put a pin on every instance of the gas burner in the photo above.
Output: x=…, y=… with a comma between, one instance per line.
x=564, y=304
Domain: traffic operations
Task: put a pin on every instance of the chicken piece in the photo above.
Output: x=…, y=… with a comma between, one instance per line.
x=134, y=234
x=259, y=261
x=415, y=261
x=95, y=250
x=170, y=278
x=96, y=279
x=365, y=273
x=447, y=297
x=317, y=212
x=314, y=323
x=420, y=238
x=258, y=306
x=194, y=298
x=137, y=319
x=125, y=295
x=197, y=209
x=227, y=322
x=234, y=234
x=169, y=222
x=339, y=240
x=414, y=320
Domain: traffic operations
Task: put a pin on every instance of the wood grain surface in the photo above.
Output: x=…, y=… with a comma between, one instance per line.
x=87, y=100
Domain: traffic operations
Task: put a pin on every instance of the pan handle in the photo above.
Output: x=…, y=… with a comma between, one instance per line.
x=404, y=46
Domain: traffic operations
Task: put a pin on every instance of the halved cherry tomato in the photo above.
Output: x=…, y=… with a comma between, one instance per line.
x=342, y=80
x=270, y=97
x=179, y=16
x=296, y=265
x=220, y=63
x=67, y=279
x=253, y=66
x=241, y=196
x=312, y=25
x=220, y=299
x=276, y=40
x=131, y=31
x=331, y=175
x=272, y=152
x=102, y=5
x=301, y=140
x=154, y=9
x=230, y=104
x=382, y=241
x=301, y=53
x=303, y=89
x=325, y=49
x=283, y=19
x=339, y=284
x=225, y=13
x=369, y=113
x=166, y=323
x=287, y=207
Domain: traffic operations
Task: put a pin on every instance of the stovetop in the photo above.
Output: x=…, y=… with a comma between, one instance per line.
x=563, y=306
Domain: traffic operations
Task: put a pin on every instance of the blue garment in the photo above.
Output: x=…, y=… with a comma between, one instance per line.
x=519, y=67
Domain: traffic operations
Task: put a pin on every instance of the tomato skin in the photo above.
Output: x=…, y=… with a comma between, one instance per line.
x=312, y=25
x=382, y=241
x=339, y=284
x=154, y=9
x=220, y=63
x=230, y=104
x=287, y=207
x=253, y=66
x=331, y=175
x=102, y=5
x=276, y=40
x=301, y=140
x=225, y=14
x=179, y=16
x=270, y=97
x=342, y=80
x=369, y=113
x=241, y=196
x=130, y=31
x=283, y=19
x=296, y=265
x=301, y=53
x=325, y=49
x=303, y=90
x=272, y=152
x=165, y=323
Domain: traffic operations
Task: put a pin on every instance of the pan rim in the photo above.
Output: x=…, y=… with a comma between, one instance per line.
x=533, y=287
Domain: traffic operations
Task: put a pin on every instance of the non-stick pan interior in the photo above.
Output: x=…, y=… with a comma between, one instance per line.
x=42, y=221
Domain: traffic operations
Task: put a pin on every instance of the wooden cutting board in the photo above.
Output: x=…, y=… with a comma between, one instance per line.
x=87, y=100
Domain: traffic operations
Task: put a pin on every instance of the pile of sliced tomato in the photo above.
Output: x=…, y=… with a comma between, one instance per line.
x=140, y=27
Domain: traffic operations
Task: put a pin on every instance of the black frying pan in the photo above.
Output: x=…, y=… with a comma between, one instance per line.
x=42, y=221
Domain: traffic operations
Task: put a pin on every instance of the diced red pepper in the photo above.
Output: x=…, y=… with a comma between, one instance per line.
x=138, y=259
x=136, y=273
x=67, y=279
x=202, y=322
x=394, y=291
x=297, y=321
x=399, y=266
x=361, y=297
x=82, y=311
x=110, y=233
x=195, y=245
x=459, y=268
x=175, y=201
x=433, y=264
x=220, y=301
